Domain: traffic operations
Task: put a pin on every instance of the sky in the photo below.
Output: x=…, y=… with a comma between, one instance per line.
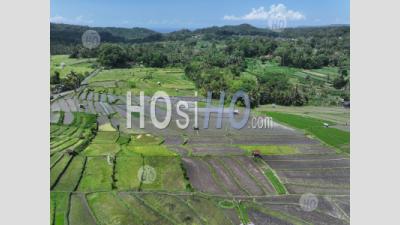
x=191, y=14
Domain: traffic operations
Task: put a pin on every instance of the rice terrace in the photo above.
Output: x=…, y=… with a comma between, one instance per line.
x=105, y=172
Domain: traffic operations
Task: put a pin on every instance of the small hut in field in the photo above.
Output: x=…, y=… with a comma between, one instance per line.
x=71, y=152
x=256, y=154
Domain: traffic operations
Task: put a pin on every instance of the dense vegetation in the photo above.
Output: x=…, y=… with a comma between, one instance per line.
x=230, y=58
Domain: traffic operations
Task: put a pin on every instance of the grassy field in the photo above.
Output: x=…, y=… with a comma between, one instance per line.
x=145, y=139
x=124, y=139
x=149, y=80
x=147, y=150
x=109, y=210
x=173, y=208
x=331, y=71
x=102, y=149
x=103, y=144
x=58, y=168
x=106, y=127
x=325, y=74
x=138, y=208
x=257, y=67
x=169, y=175
x=338, y=115
x=71, y=176
x=242, y=211
x=81, y=66
x=58, y=207
x=79, y=213
x=279, y=187
x=105, y=137
x=270, y=149
x=331, y=136
x=126, y=172
x=97, y=175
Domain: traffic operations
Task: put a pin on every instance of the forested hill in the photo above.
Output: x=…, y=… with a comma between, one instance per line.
x=63, y=37
x=114, y=34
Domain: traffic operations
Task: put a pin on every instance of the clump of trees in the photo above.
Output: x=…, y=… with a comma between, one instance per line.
x=343, y=80
x=340, y=82
x=71, y=82
x=276, y=88
x=113, y=56
x=264, y=88
x=55, y=79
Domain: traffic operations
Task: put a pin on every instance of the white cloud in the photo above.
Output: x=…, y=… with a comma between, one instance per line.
x=57, y=19
x=275, y=11
x=80, y=20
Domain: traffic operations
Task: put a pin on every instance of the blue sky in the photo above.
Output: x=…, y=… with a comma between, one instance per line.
x=176, y=14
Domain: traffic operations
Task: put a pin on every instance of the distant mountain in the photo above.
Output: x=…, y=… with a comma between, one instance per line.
x=73, y=33
x=291, y=32
x=243, y=29
x=63, y=37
